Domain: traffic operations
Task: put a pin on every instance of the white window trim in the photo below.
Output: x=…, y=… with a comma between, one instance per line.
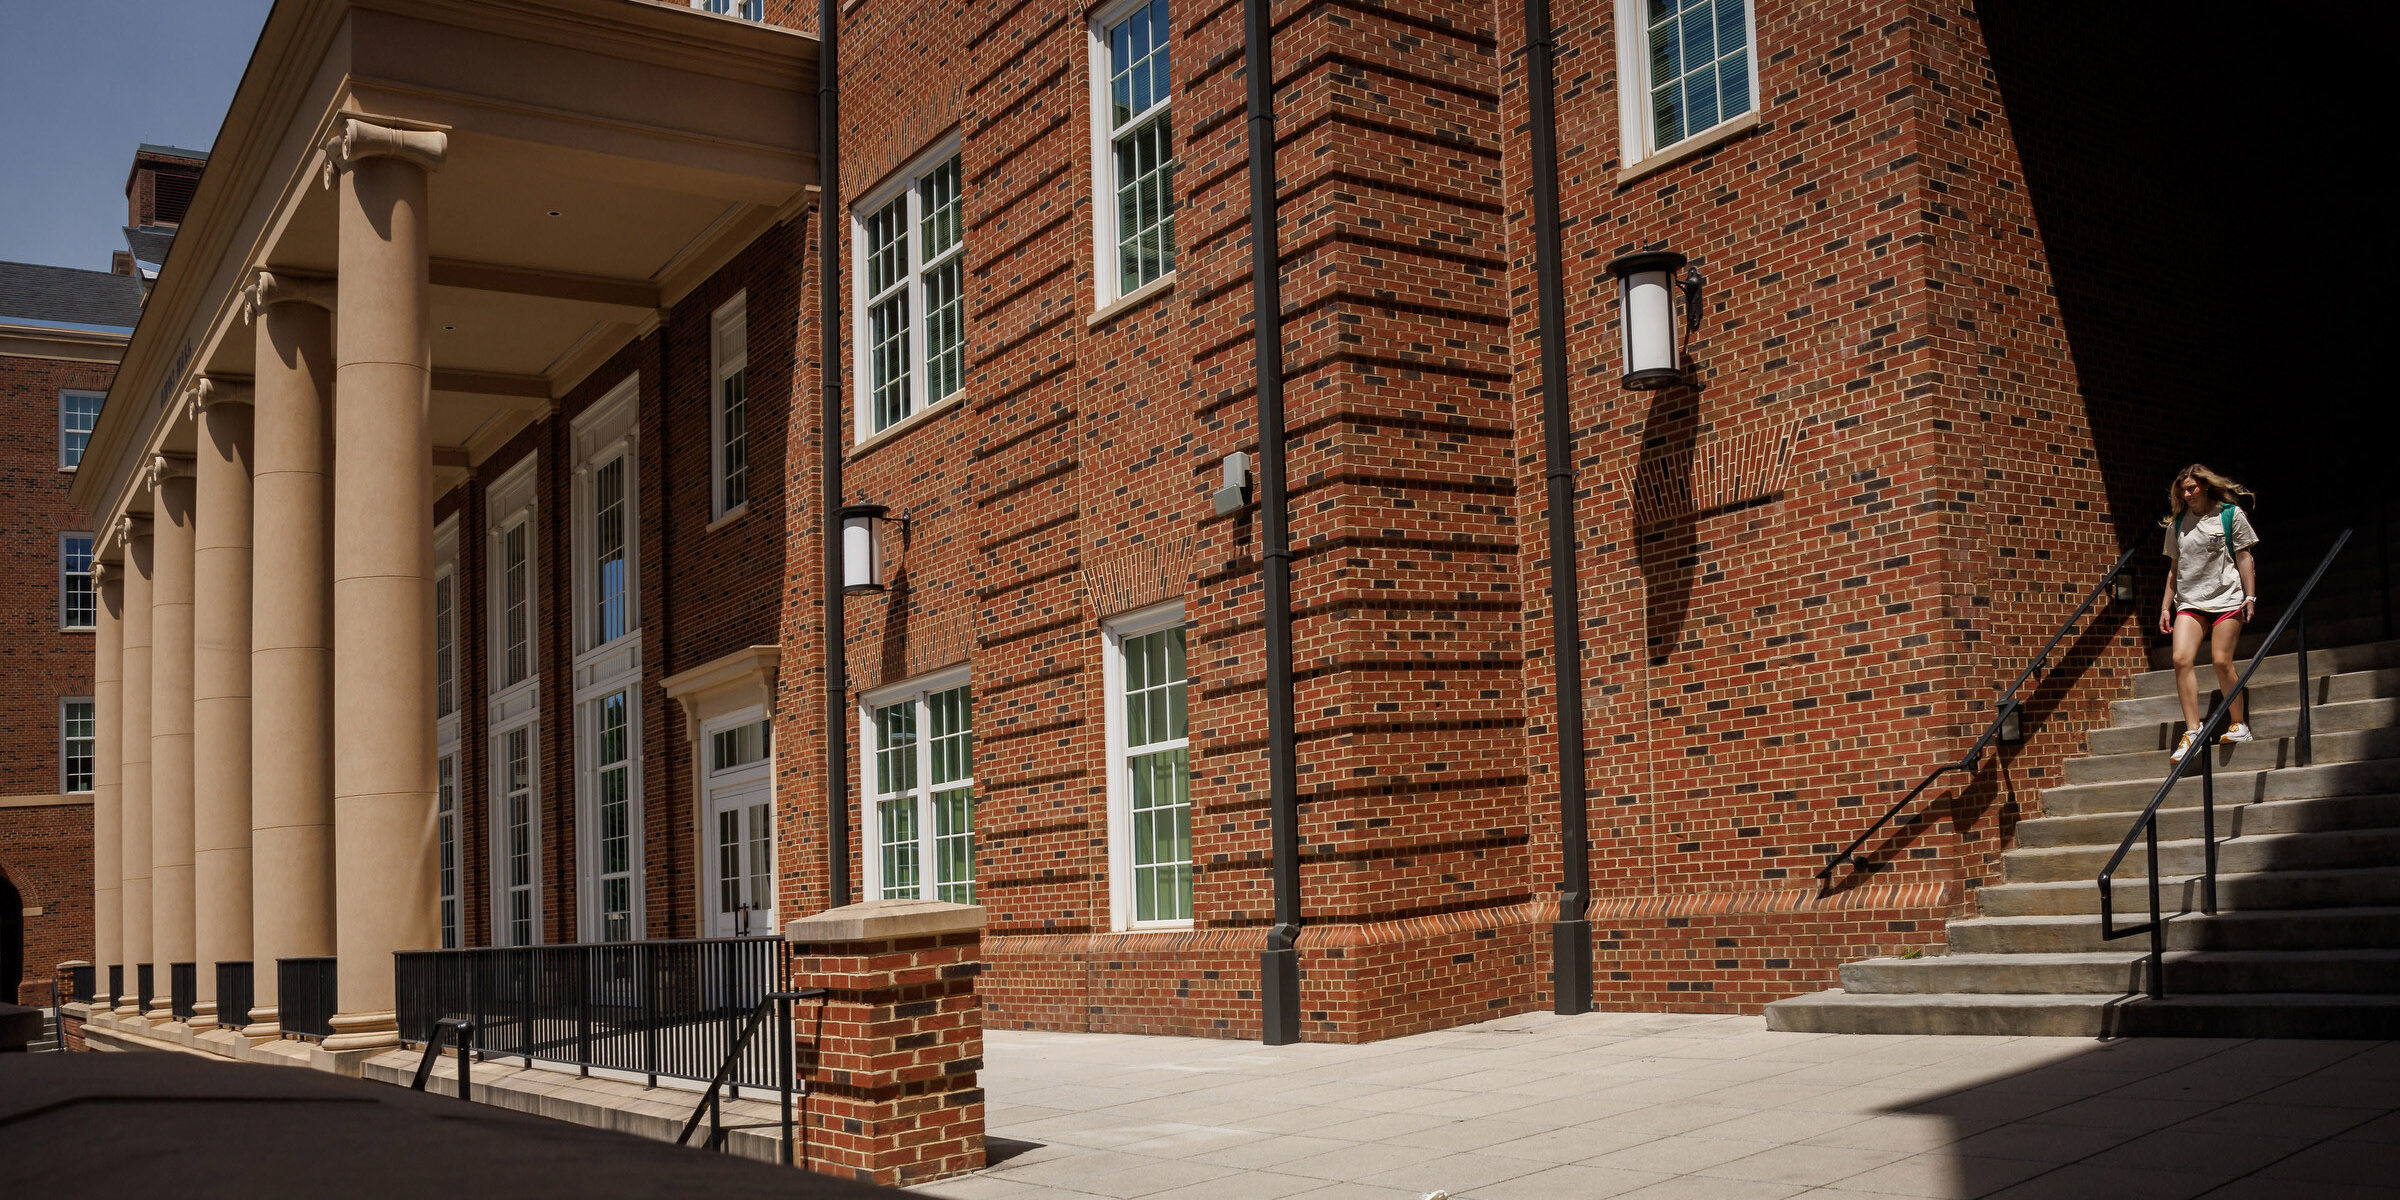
x=87, y=577
x=720, y=366
x=452, y=938
x=1633, y=91
x=709, y=875
x=740, y=10
x=587, y=811
x=862, y=350
x=497, y=757
x=512, y=502
x=445, y=566
x=601, y=432
x=63, y=702
x=870, y=814
x=1104, y=183
x=1120, y=803
x=63, y=393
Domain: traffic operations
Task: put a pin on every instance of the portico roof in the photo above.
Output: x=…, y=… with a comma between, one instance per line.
x=605, y=157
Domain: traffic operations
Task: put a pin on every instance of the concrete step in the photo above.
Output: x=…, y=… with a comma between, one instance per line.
x=2232, y=787
x=2262, y=753
x=2275, y=695
x=2323, y=814
x=2336, y=631
x=2338, y=717
x=2185, y=856
x=2246, y=891
x=2305, y=929
x=2248, y=1015
x=2323, y=662
x=2125, y=972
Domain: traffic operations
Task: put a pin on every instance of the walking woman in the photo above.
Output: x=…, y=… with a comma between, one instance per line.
x=2212, y=592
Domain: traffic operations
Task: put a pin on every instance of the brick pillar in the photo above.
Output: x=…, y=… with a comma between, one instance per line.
x=891, y=1065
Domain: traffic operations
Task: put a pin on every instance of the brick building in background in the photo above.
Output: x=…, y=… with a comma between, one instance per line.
x=1904, y=448
x=61, y=332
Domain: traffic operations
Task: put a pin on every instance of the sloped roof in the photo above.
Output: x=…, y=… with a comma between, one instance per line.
x=68, y=295
x=149, y=244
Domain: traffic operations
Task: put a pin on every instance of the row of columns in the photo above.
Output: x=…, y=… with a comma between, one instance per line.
x=274, y=609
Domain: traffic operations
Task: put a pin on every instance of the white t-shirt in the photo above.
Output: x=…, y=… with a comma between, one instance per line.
x=2205, y=575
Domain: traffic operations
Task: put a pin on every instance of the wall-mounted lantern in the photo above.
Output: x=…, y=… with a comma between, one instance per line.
x=1646, y=292
x=2012, y=723
x=1234, y=490
x=2122, y=589
x=862, y=546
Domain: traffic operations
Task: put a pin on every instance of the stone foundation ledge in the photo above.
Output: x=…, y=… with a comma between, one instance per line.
x=106, y=1031
x=657, y=1113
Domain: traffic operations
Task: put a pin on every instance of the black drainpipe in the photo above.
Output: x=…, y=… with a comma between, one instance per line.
x=829, y=371
x=1279, y=963
x=1571, y=934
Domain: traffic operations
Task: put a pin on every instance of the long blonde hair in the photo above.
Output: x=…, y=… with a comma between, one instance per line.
x=2221, y=491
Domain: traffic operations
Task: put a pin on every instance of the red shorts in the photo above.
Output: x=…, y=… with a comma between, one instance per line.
x=2213, y=619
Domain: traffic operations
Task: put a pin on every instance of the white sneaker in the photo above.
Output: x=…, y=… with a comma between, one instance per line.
x=2183, y=747
x=2238, y=733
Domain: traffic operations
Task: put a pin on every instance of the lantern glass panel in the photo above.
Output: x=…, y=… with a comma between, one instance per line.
x=862, y=552
x=1649, y=322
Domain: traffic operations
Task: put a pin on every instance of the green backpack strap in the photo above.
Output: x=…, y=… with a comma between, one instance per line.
x=2225, y=515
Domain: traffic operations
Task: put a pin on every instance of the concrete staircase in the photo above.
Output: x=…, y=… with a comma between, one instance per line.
x=2306, y=939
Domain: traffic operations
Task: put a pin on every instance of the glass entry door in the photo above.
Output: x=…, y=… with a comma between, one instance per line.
x=741, y=843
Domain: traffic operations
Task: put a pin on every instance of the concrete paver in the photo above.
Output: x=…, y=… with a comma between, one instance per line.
x=1651, y=1106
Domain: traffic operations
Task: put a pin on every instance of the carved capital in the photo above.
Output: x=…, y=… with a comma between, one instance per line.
x=355, y=140
x=102, y=573
x=131, y=529
x=279, y=287
x=170, y=466
x=213, y=391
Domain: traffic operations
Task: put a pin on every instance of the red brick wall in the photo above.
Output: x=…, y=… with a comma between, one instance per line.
x=46, y=852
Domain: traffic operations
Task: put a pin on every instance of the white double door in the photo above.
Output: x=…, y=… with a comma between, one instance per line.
x=740, y=816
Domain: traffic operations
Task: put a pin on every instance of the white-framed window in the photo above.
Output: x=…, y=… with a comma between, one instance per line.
x=738, y=824
x=76, y=607
x=445, y=804
x=607, y=488
x=511, y=578
x=910, y=330
x=78, y=411
x=1133, y=148
x=445, y=618
x=612, y=816
x=1689, y=67
x=516, y=837
x=729, y=406
x=76, y=740
x=1150, y=769
x=920, y=790
x=748, y=10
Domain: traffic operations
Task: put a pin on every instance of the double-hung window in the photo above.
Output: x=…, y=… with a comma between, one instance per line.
x=445, y=641
x=76, y=608
x=512, y=710
x=921, y=791
x=76, y=740
x=748, y=10
x=1689, y=67
x=608, y=667
x=1150, y=769
x=911, y=278
x=78, y=411
x=515, y=572
x=515, y=837
x=613, y=771
x=729, y=407
x=445, y=804
x=1133, y=147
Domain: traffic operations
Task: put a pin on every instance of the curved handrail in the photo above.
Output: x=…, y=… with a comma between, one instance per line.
x=2000, y=713
x=2204, y=738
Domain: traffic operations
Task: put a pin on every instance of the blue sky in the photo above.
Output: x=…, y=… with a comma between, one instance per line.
x=85, y=83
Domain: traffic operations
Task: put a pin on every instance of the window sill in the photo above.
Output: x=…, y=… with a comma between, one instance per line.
x=76, y=629
x=892, y=431
x=736, y=513
x=1152, y=927
x=1698, y=143
x=1131, y=300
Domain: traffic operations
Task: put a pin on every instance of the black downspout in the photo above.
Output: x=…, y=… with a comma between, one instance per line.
x=1571, y=934
x=1279, y=963
x=829, y=431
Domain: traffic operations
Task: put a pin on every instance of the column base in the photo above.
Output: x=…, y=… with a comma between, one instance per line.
x=364, y=1031
x=204, y=1016
x=266, y=1024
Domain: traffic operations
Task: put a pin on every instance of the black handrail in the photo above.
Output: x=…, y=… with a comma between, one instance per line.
x=2008, y=705
x=709, y=1104
x=2202, y=739
x=447, y=1026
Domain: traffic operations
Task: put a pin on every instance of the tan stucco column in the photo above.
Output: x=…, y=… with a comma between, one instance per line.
x=386, y=868
x=172, y=501
x=291, y=633
x=133, y=753
x=108, y=776
x=221, y=690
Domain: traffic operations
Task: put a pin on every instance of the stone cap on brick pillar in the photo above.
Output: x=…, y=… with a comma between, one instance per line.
x=882, y=920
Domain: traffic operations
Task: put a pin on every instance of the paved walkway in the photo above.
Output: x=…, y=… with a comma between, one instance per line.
x=1652, y=1107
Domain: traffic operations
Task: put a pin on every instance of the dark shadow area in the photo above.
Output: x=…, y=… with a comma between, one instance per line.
x=12, y=940
x=2199, y=234
x=1667, y=519
x=233, y=1129
x=997, y=1150
x=2160, y=1117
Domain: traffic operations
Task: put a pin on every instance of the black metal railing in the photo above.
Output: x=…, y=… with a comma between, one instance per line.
x=116, y=983
x=780, y=1003
x=447, y=1027
x=2008, y=709
x=79, y=983
x=143, y=977
x=305, y=996
x=2203, y=742
x=237, y=991
x=183, y=989
x=659, y=1008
